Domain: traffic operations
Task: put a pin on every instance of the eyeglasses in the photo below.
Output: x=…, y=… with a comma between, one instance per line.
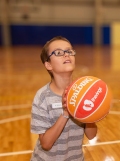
x=60, y=52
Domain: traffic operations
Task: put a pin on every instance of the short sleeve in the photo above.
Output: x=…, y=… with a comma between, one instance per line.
x=40, y=121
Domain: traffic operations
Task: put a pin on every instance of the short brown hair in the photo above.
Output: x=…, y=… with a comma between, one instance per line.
x=44, y=53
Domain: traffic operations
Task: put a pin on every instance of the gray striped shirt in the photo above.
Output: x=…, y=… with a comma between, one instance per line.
x=68, y=147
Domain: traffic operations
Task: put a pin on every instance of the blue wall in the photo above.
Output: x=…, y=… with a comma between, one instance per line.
x=0, y=35
x=106, y=35
x=41, y=34
x=38, y=35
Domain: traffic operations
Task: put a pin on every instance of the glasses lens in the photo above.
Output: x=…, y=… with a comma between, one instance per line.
x=59, y=52
x=71, y=52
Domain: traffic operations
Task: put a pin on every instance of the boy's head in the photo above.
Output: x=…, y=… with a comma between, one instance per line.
x=45, y=54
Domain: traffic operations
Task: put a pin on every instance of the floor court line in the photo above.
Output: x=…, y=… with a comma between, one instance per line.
x=16, y=153
x=15, y=107
x=103, y=143
x=15, y=119
x=30, y=105
x=28, y=116
x=114, y=112
x=85, y=145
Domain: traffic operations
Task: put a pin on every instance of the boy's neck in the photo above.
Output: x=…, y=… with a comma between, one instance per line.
x=58, y=85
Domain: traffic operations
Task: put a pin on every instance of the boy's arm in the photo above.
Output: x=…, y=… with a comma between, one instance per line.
x=90, y=130
x=51, y=135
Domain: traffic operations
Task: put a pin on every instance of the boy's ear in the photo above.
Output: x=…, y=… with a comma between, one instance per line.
x=48, y=66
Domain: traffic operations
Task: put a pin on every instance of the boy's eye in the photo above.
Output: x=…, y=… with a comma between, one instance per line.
x=58, y=52
x=69, y=51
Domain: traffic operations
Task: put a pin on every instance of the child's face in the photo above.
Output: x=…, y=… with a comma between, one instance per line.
x=61, y=64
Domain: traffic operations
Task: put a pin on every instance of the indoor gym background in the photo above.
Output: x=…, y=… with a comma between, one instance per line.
x=93, y=27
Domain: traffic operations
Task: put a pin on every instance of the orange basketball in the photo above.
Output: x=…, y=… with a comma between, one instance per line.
x=88, y=99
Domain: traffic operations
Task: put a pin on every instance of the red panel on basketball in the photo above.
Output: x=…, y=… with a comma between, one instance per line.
x=88, y=99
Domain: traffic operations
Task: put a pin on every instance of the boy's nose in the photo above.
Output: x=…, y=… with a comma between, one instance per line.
x=66, y=54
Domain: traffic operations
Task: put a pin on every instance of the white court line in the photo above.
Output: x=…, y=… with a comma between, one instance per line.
x=30, y=151
x=15, y=106
x=116, y=101
x=15, y=153
x=29, y=105
x=114, y=112
x=15, y=119
x=103, y=143
x=29, y=116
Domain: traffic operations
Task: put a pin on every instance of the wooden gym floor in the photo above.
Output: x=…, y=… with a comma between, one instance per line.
x=22, y=74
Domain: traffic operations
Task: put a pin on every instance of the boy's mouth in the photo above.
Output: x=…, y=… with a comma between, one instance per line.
x=67, y=61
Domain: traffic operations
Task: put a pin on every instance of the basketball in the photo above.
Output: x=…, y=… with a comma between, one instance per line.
x=88, y=99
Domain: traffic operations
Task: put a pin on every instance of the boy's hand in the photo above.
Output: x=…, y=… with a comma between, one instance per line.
x=64, y=104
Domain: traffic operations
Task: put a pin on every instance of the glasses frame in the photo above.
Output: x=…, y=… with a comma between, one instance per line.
x=64, y=51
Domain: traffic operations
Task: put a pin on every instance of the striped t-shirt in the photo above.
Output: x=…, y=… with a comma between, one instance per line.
x=68, y=147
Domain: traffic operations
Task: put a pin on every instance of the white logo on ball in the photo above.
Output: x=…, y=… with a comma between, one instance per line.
x=88, y=105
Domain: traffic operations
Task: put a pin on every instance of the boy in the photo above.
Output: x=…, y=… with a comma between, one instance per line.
x=60, y=135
